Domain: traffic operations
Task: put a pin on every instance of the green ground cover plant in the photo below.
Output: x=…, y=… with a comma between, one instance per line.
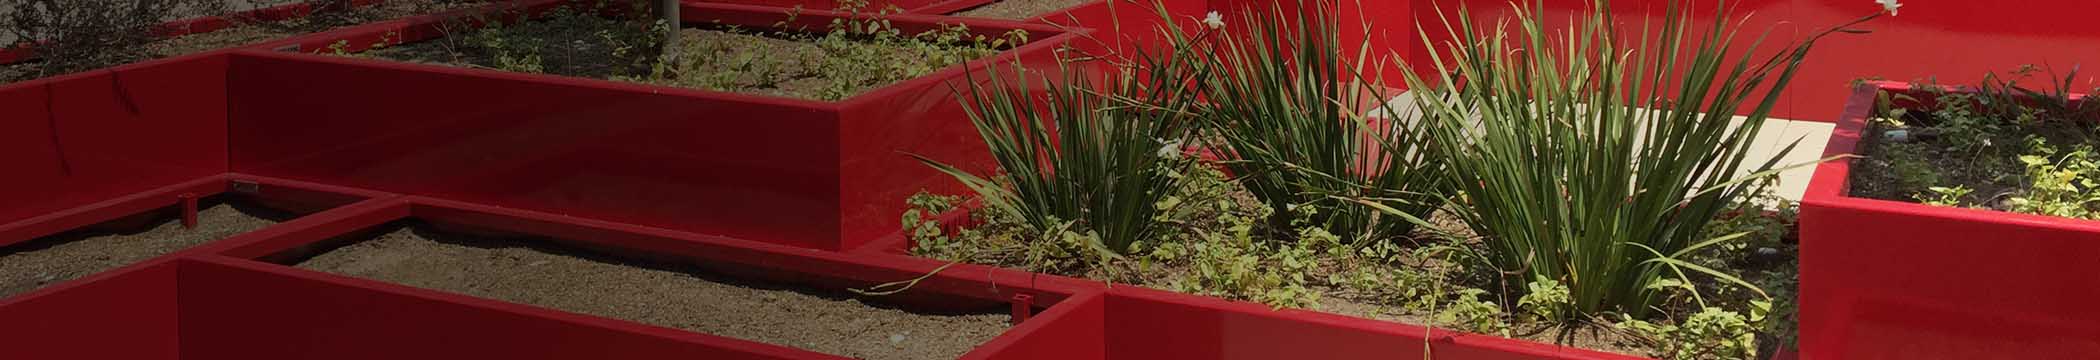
x=85, y=35
x=847, y=57
x=1996, y=145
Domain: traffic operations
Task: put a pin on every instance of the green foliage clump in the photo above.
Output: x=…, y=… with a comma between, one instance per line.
x=1299, y=129
x=848, y=56
x=1711, y=333
x=2066, y=184
x=1597, y=156
x=1996, y=145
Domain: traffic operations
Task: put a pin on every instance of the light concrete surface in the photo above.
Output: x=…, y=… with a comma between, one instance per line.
x=1774, y=135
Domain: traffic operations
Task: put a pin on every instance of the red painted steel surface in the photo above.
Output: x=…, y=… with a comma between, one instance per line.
x=1895, y=280
x=24, y=50
x=130, y=316
x=959, y=288
x=233, y=309
x=72, y=140
x=1143, y=323
x=814, y=174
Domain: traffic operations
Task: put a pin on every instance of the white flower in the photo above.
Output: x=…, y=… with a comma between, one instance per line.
x=1170, y=149
x=1215, y=21
x=1889, y=5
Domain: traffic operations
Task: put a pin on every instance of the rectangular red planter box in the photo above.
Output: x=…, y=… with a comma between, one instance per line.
x=218, y=308
x=1888, y=279
x=961, y=288
x=1133, y=322
x=823, y=175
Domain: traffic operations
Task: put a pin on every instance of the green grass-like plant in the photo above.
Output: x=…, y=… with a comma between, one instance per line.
x=1288, y=110
x=1594, y=155
x=1089, y=153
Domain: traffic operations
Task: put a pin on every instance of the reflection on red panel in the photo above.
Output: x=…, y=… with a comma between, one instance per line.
x=73, y=140
x=132, y=316
x=826, y=175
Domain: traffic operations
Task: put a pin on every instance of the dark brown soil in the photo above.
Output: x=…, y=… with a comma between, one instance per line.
x=1018, y=9
x=31, y=265
x=794, y=65
x=669, y=296
x=258, y=32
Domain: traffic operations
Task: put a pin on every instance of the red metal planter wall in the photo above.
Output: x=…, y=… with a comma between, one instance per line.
x=124, y=317
x=217, y=308
x=73, y=140
x=812, y=174
x=1895, y=280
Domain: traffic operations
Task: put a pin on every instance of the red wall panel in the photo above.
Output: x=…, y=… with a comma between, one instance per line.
x=131, y=316
x=748, y=169
x=1893, y=280
x=73, y=140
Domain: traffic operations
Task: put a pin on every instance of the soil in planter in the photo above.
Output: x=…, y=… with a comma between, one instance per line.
x=1018, y=9
x=52, y=259
x=823, y=65
x=2015, y=159
x=247, y=33
x=659, y=294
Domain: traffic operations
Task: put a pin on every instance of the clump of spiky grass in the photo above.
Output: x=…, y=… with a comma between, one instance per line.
x=1088, y=151
x=1288, y=106
x=1594, y=155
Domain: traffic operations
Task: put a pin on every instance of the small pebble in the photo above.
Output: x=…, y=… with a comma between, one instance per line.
x=1898, y=135
x=1766, y=251
x=896, y=339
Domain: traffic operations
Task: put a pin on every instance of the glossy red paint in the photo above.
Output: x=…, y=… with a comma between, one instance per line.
x=132, y=316
x=77, y=139
x=1896, y=280
x=825, y=175
x=1143, y=323
x=959, y=288
x=218, y=308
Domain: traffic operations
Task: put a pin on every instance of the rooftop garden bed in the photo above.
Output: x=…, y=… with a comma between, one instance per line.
x=1890, y=236
x=111, y=33
x=833, y=62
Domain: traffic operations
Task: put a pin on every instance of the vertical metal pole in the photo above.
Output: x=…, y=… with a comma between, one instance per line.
x=1024, y=306
x=189, y=210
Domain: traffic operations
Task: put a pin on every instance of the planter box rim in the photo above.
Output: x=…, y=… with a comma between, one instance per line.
x=1830, y=186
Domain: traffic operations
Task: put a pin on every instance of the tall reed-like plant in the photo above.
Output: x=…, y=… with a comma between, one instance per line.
x=1088, y=151
x=1288, y=105
x=1595, y=154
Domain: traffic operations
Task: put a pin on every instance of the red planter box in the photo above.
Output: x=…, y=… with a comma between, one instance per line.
x=1887, y=279
x=824, y=175
x=73, y=140
x=959, y=288
x=221, y=304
